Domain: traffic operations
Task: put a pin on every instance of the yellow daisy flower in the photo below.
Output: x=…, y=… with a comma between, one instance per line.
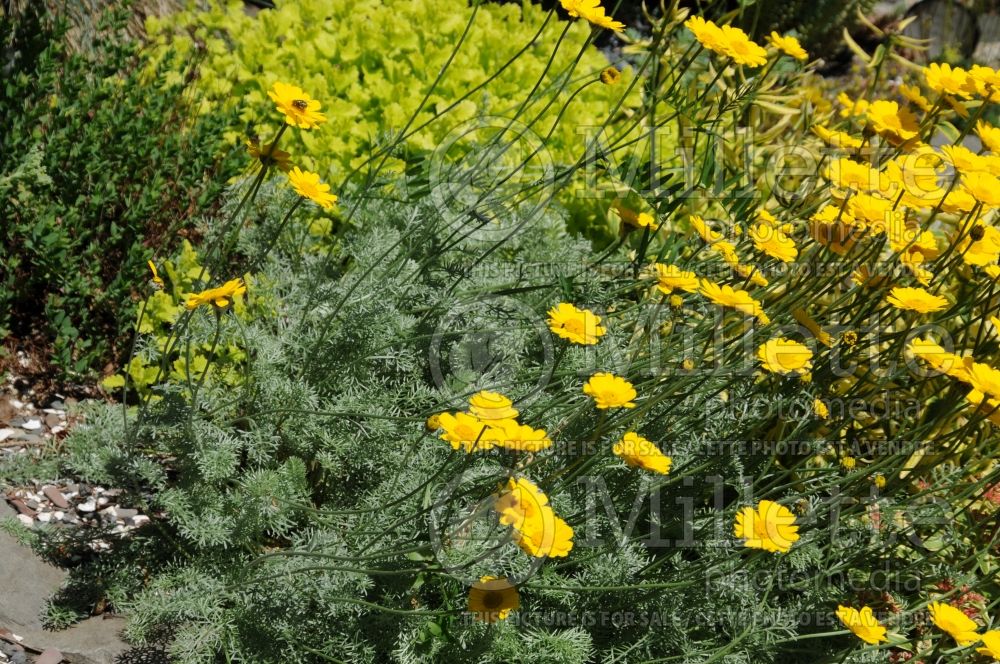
x=300, y=109
x=492, y=406
x=959, y=626
x=220, y=297
x=836, y=139
x=522, y=437
x=707, y=33
x=989, y=135
x=671, y=277
x=916, y=299
x=638, y=452
x=726, y=296
x=492, y=599
x=783, y=356
x=948, y=80
x=891, y=121
x=771, y=527
x=863, y=623
x=788, y=45
x=592, y=12
x=742, y=49
x=308, y=185
x=991, y=644
x=610, y=391
x=773, y=242
x=580, y=326
x=462, y=430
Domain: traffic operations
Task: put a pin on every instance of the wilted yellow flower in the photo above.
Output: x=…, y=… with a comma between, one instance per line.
x=592, y=12
x=157, y=281
x=878, y=479
x=820, y=409
x=492, y=599
x=851, y=108
x=771, y=527
x=726, y=296
x=863, y=623
x=931, y=352
x=638, y=452
x=581, y=326
x=269, y=155
x=837, y=139
x=703, y=230
x=308, y=185
x=300, y=109
x=671, y=277
x=916, y=299
x=788, y=45
x=945, y=79
x=913, y=94
x=492, y=406
x=783, y=356
x=433, y=422
x=948, y=619
x=610, y=75
x=610, y=391
x=222, y=296
x=637, y=219
x=982, y=251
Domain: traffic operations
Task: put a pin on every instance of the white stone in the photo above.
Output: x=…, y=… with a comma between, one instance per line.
x=44, y=517
x=32, y=425
x=5, y=433
x=25, y=519
x=88, y=506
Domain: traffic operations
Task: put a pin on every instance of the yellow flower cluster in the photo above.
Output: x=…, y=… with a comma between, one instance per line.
x=491, y=421
x=949, y=619
x=536, y=528
x=733, y=42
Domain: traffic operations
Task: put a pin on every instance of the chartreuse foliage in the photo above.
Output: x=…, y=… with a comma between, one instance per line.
x=786, y=464
x=377, y=65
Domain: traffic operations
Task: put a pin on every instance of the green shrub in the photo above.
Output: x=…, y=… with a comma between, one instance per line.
x=102, y=173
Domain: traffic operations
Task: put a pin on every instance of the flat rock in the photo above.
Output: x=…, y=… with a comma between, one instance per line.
x=27, y=583
x=56, y=496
